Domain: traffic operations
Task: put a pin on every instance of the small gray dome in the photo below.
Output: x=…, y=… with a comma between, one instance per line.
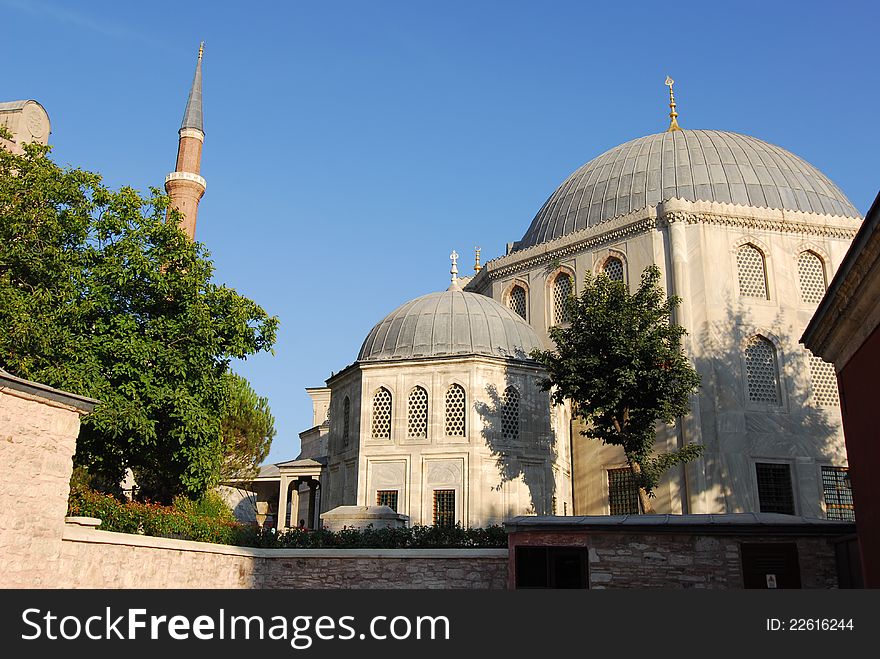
x=449, y=323
x=697, y=165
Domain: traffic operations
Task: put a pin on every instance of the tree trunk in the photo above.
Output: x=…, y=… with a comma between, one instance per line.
x=644, y=499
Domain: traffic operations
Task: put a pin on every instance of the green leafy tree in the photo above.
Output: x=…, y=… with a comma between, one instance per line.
x=101, y=297
x=247, y=429
x=620, y=363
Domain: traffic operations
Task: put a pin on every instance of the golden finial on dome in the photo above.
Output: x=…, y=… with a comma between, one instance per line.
x=477, y=266
x=673, y=121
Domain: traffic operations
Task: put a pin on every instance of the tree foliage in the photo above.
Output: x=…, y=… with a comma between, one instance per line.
x=101, y=297
x=620, y=363
x=247, y=429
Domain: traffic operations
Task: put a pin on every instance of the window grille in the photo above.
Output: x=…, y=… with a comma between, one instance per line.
x=417, y=413
x=382, y=414
x=761, y=373
x=444, y=508
x=553, y=505
x=387, y=498
x=346, y=420
x=824, y=382
x=614, y=268
x=562, y=290
x=811, y=273
x=752, y=272
x=510, y=414
x=517, y=301
x=455, y=411
x=774, y=488
x=838, y=494
x=623, y=493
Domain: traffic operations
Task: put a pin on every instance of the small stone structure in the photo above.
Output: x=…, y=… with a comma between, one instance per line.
x=678, y=551
x=361, y=517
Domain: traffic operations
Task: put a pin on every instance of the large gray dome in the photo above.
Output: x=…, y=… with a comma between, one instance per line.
x=697, y=165
x=446, y=324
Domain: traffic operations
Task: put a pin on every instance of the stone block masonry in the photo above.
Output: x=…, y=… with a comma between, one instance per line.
x=101, y=559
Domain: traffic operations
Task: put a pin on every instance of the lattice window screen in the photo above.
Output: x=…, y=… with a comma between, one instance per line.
x=517, y=301
x=623, y=494
x=387, y=498
x=455, y=411
x=614, y=269
x=346, y=420
x=510, y=414
x=382, y=414
x=824, y=382
x=774, y=488
x=752, y=272
x=562, y=290
x=812, y=277
x=417, y=413
x=838, y=494
x=444, y=507
x=762, y=376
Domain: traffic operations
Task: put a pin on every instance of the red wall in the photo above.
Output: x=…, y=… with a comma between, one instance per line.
x=859, y=389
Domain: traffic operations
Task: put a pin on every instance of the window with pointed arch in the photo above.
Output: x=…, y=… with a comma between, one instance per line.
x=752, y=272
x=613, y=268
x=762, y=373
x=381, y=414
x=811, y=275
x=510, y=414
x=346, y=420
x=517, y=301
x=417, y=413
x=563, y=288
x=456, y=405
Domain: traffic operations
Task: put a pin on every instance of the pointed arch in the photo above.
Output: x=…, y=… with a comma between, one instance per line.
x=762, y=371
x=417, y=413
x=751, y=265
x=456, y=411
x=381, y=426
x=510, y=413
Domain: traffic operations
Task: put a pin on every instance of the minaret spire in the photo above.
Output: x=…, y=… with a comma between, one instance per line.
x=673, y=115
x=184, y=185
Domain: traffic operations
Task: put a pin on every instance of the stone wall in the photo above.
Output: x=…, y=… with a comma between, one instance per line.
x=681, y=551
x=38, y=430
x=101, y=559
x=398, y=569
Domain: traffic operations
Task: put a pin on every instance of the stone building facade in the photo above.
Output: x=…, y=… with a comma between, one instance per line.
x=747, y=235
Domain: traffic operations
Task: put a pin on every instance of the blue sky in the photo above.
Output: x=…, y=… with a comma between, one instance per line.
x=352, y=145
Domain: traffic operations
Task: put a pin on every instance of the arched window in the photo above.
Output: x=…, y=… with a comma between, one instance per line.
x=811, y=272
x=510, y=414
x=762, y=375
x=613, y=268
x=516, y=301
x=752, y=272
x=824, y=382
x=382, y=414
x=455, y=411
x=346, y=420
x=562, y=289
x=417, y=413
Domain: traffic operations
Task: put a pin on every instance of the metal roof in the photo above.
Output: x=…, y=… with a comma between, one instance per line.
x=449, y=323
x=192, y=116
x=696, y=165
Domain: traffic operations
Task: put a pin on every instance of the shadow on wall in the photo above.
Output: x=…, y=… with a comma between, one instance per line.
x=785, y=424
x=522, y=448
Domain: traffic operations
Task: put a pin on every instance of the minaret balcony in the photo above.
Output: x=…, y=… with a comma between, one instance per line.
x=186, y=176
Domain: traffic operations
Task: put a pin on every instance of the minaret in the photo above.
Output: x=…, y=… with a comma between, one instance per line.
x=184, y=185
